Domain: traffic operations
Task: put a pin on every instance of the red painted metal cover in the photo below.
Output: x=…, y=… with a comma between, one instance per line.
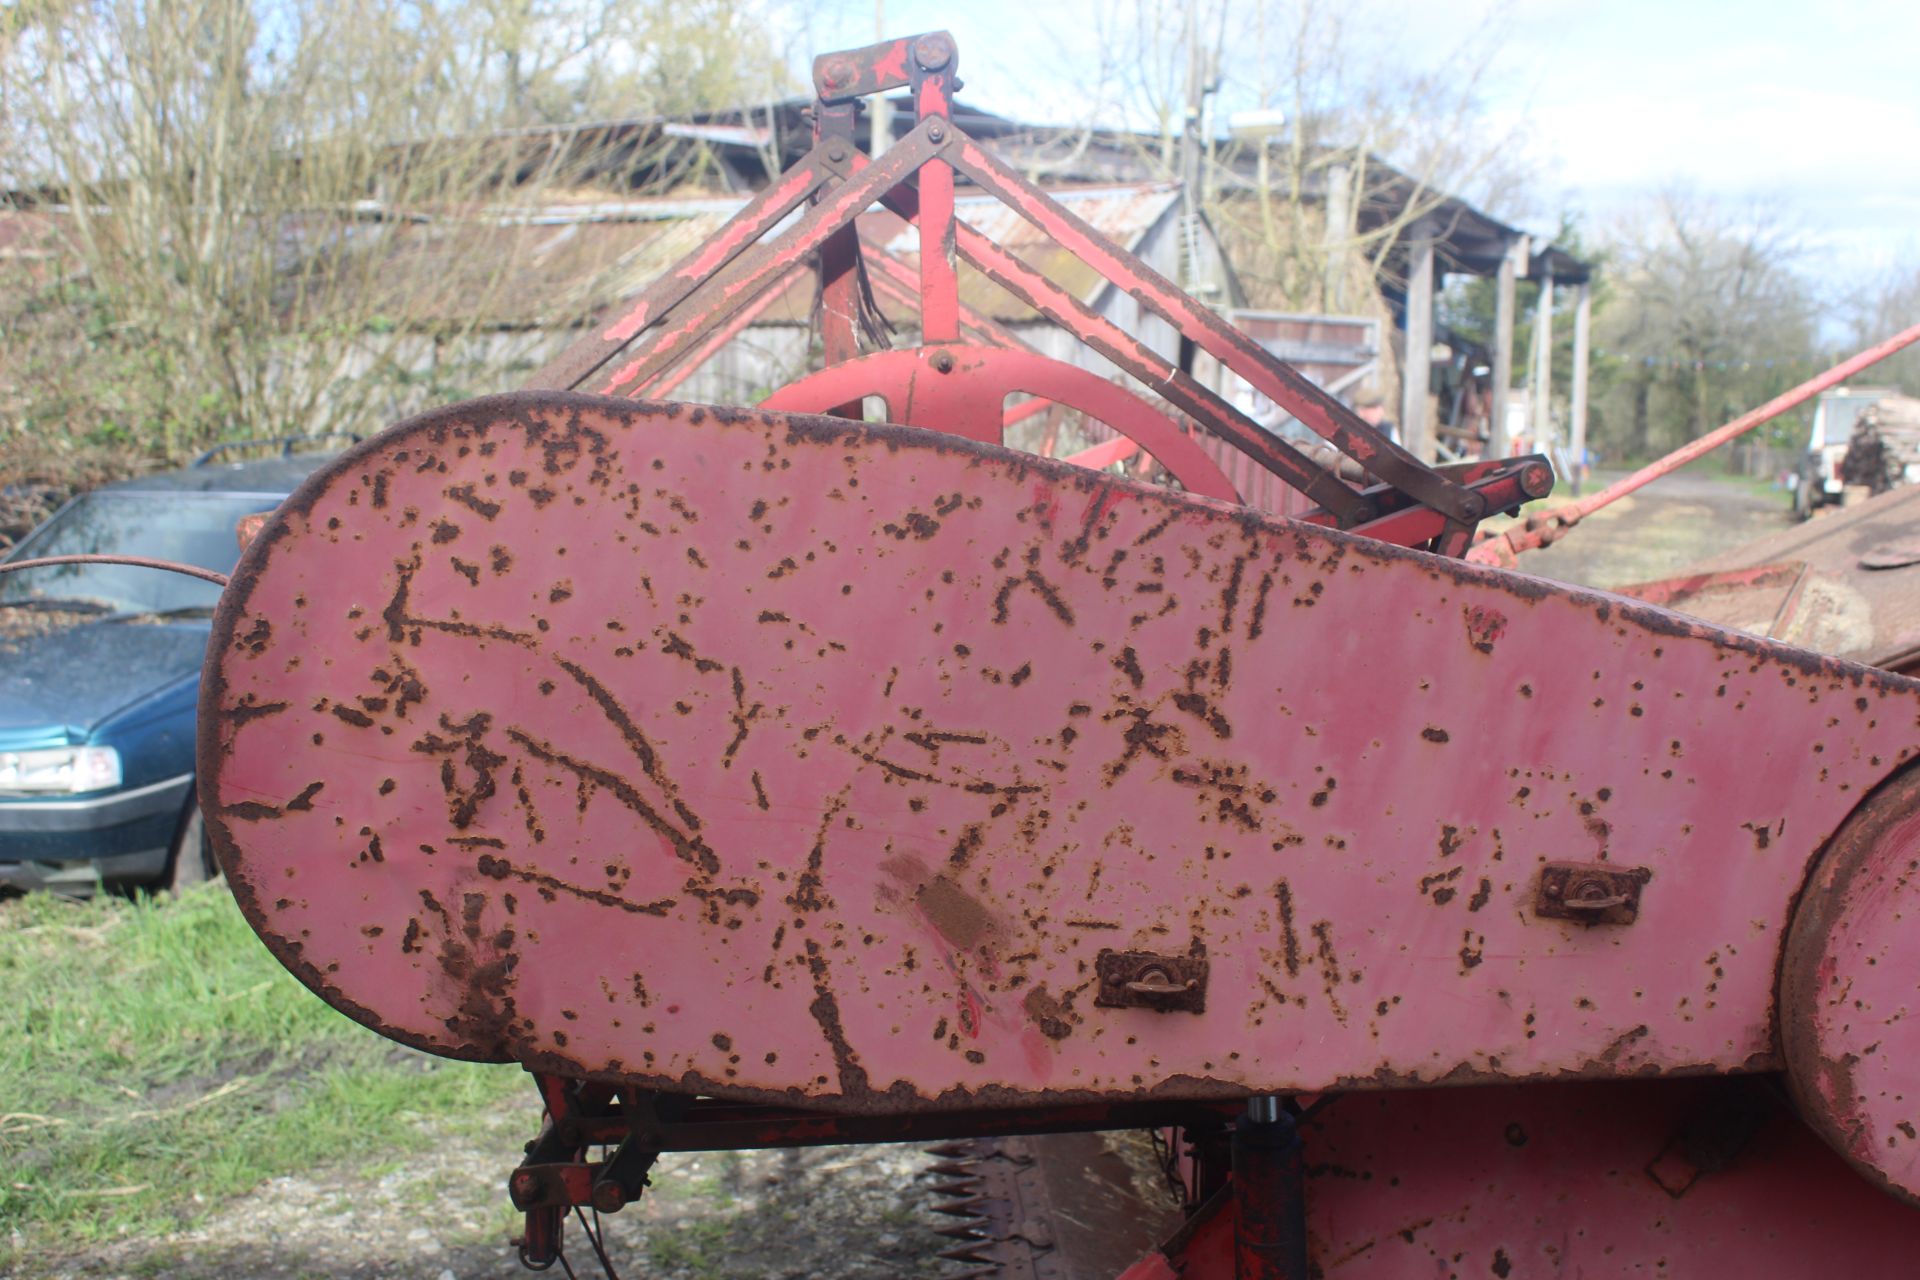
x=786, y=758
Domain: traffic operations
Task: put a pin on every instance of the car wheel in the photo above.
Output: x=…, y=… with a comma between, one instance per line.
x=192, y=861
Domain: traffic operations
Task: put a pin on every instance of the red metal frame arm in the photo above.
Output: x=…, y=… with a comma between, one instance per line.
x=1281, y=384
x=839, y=269
x=894, y=278
x=1151, y=368
x=939, y=285
x=1501, y=548
x=666, y=382
x=855, y=73
x=610, y=336
x=766, y=262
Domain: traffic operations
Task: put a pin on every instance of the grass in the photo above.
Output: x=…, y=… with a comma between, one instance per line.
x=155, y=1060
x=698, y=1247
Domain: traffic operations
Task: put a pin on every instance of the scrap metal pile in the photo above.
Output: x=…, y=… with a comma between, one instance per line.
x=766, y=777
x=1883, y=449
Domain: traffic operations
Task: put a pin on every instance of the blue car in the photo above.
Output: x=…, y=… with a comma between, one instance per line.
x=100, y=670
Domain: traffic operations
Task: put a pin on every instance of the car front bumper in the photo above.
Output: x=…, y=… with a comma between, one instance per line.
x=68, y=845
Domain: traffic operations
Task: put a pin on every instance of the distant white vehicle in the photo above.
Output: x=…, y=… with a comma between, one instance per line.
x=1817, y=482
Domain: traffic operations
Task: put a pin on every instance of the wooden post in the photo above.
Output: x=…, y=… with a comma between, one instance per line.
x=1416, y=432
x=1334, y=237
x=1577, y=428
x=1497, y=443
x=1542, y=390
x=880, y=112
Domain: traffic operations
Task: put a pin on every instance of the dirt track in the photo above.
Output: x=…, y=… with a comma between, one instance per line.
x=1687, y=516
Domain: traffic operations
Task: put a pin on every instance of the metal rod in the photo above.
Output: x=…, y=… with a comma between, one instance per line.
x=1550, y=526
x=138, y=562
x=1269, y=1195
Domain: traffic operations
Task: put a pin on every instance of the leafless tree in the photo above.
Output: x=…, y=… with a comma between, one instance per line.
x=1348, y=111
x=1881, y=308
x=1709, y=317
x=239, y=200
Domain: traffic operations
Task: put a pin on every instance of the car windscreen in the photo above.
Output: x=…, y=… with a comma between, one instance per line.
x=194, y=528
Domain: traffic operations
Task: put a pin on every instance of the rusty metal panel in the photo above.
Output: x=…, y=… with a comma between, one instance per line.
x=1847, y=991
x=783, y=759
x=1844, y=584
x=1681, y=1179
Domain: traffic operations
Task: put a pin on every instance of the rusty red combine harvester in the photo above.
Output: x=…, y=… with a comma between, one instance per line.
x=765, y=777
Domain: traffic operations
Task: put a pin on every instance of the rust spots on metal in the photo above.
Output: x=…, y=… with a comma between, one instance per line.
x=825, y=1009
x=1485, y=626
x=497, y=868
x=1329, y=962
x=1048, y=593
x=1290, y=940
x=679, y=648
x=465, y=495
x=1052, y=1016
x=251, y=708
x=257, y=638
x=915, y=524
x=1435, y=734
x=688, y=846
x=1200, y=708
x=807, y=895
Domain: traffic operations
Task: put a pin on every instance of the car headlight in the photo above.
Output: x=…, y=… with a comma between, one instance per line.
x=59, y=770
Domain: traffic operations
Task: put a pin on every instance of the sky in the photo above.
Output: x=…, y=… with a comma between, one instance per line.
x=1812, y=107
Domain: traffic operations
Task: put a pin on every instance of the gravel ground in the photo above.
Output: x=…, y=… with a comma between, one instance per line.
x=859, y=1213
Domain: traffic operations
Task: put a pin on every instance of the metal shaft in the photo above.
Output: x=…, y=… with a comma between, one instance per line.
x=1269, y=1195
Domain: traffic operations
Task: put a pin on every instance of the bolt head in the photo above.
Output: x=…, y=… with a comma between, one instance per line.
x=837, y=74
x=937, y=132
x=943, y=361
x=607, y=1198
x=933, y=51
x=836, y=151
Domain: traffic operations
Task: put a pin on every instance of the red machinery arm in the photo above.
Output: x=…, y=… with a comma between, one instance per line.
x=1547, y=527
x=713, y=285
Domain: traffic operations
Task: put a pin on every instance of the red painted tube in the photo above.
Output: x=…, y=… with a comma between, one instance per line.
x=1501, y=548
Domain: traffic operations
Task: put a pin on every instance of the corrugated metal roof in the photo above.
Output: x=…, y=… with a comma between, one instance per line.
x=1123, y=213
x=537, y=269
x=556, y=263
